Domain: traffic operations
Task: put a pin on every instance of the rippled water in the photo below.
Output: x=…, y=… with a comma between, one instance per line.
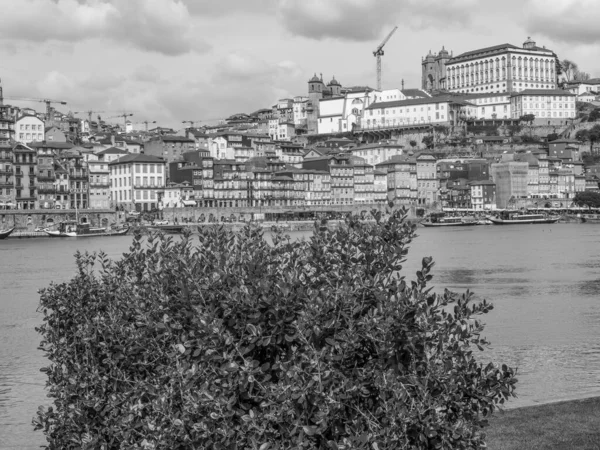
x=544, y=282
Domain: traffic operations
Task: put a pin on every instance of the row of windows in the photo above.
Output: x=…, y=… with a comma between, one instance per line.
x=29, y=136
x=26, y=127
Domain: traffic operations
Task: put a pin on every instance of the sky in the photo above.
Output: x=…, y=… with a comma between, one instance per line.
x=171, y=61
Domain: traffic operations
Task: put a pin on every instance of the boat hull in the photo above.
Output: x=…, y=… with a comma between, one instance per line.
x=496, y=221
x=74, y=234
x=6, y=233
x=457, y=224
x=595, y=218
x=167, y=228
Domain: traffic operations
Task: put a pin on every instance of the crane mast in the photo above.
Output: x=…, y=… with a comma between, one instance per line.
x=378, y=53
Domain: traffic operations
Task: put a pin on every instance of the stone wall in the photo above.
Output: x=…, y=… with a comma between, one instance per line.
x=29, y=220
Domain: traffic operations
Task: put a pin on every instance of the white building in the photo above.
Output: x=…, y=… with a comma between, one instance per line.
x=377, y=152
x=285, y=131
x=339, y=114
x=435, y=110
x=273, y=128
x=300, y=116
x=137, y=181
x=587, y=97
x=550, y=107
x=581, y=87
x=502, y=68
x=491, y=106
x=29, y=128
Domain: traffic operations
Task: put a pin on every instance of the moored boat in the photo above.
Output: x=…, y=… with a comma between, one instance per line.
x=448, y=222
x=516, y=218
x=167, y=228
x=590, y=218
x=5, y=233
x=73, y=229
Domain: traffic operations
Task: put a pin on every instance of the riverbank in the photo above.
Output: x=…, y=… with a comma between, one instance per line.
x=572, y=424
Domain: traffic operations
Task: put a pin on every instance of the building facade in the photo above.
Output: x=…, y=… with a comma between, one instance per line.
x=137, y=182
x=501, y=68
x=29, y=128
x=550, y=107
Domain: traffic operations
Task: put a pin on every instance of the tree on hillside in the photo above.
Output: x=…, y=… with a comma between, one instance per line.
x=225, y=341
x=569, y=68
x=514, y=129
x=413, y=143
x=582, y=135
x=587, y=198
x=594, y=136
x=594, y=115
x=581, y=76
x=427, y=141
x=551, y=137
x=528, y=119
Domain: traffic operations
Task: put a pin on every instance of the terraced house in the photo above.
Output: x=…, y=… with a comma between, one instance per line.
x=137, y=182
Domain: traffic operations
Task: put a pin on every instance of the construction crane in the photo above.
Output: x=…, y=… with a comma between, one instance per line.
x=378, y=53
x=124, y=116
x=41, y=100
x=191, y=122
x=91, y=112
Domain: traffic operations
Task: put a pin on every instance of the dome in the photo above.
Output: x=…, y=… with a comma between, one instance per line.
x=430, y=56
x=334, y=82
x=315, y=79
x=529, y=43
x=443, y=52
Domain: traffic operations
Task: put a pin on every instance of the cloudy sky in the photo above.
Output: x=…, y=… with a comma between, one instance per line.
x=176, y=60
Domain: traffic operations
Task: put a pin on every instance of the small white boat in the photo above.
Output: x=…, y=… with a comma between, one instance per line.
x=436, y=221
x=73, y=229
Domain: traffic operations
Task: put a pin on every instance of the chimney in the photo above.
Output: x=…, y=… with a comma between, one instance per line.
x=402, y=83
x=112, y=140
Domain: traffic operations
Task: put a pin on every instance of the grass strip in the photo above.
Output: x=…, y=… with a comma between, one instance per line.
x=566, y=425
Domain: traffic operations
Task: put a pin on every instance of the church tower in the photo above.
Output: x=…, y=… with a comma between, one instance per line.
x=428, y=72
x=335, y=86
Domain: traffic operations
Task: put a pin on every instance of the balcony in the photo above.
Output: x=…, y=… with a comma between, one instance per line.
x=19, y=174
x=78, y=177
x=42, y=178
x=46, y=190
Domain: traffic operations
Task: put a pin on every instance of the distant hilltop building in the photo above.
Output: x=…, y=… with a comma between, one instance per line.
x=497, y=69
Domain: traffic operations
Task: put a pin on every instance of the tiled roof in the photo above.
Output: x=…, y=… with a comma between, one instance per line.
x=484, y=50
x=137, y=157
x=543, y=92
x=112, y=151
x=51, y=144
x=414, y=93
x=376, y=145
x=174, y=138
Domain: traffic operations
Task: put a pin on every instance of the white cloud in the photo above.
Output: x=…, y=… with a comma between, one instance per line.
x=568, y=21
x=161, y=26
x=362, y=20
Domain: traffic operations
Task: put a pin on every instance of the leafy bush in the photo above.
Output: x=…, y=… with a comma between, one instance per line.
x=234, y=343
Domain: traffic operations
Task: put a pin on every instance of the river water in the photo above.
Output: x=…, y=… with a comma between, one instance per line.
x=543, y=280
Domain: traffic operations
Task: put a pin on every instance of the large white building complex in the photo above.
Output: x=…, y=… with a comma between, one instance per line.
x=501, y=68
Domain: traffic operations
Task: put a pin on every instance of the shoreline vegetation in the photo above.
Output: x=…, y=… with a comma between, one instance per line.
x=571, y=424
x=228, y=341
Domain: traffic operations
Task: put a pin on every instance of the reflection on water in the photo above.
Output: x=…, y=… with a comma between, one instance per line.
x=545, y=287
x=544, y=282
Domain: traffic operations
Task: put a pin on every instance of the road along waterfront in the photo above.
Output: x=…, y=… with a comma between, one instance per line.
x=544, y=281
